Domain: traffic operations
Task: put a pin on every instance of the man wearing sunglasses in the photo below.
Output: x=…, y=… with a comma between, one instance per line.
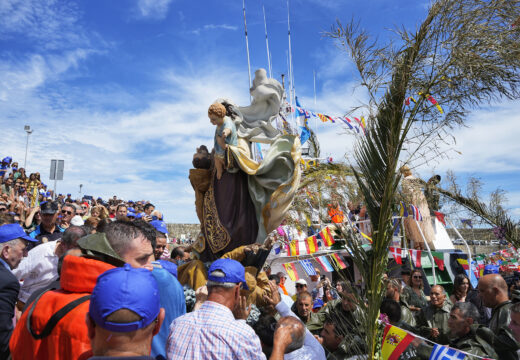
x=68, y=211
x=48, y=230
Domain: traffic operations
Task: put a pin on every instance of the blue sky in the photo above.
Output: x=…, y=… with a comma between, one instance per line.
x=120, y=89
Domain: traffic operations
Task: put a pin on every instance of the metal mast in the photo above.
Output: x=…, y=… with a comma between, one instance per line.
x=247, y=43
x=267, y=45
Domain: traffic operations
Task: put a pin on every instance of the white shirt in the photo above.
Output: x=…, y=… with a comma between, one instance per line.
x=37, y=270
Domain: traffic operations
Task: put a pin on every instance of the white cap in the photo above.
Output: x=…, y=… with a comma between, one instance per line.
x=77, y=221
x=301, y=282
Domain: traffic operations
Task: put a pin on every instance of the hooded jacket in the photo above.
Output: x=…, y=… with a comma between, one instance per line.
x=68, y=339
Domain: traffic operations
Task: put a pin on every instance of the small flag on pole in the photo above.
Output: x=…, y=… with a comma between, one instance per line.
x=325, y=264
x=290, y=269
x=307, y=266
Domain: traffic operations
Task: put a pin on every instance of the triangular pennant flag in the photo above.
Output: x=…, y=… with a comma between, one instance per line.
x=290, y=269
x=325, y=264
x=307, y=267
x=438, y=257
x=440, y=217
x=395, y=341
x=338, y=261
x=416, y=257
x=396, y=253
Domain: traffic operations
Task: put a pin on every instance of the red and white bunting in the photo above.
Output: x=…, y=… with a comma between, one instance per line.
x=396, y=253
x=416, y=257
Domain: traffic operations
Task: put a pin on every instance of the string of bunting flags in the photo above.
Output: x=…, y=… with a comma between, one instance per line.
x=329, y=263
x=397, y=344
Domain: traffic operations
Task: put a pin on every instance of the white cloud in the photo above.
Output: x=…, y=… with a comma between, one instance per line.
x=51, y=24
x=153, y=9
x=489, y=144
x=140, y=154
x=214, y=27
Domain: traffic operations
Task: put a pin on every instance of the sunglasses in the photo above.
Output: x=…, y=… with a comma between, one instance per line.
x=299, y=286
x=417, y=277
x=66, y=212
x=3, y=209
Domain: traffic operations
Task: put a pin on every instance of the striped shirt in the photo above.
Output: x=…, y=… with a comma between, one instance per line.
x=212, y=333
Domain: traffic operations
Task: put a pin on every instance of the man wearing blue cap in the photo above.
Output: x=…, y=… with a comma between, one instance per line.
x=160, y=238
x=217, y=330
x=124, y=314
x=13, y=247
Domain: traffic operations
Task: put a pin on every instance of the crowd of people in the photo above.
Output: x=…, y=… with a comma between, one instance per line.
x=483, y=322
x=95, y=279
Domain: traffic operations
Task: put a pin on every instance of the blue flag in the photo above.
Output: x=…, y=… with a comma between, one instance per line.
x=305, y=135
x=440, y=352
x=297, y=102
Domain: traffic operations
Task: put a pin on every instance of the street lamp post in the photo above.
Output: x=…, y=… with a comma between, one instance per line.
x=29, y=131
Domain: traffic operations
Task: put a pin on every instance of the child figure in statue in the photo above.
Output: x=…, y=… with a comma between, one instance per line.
x=225, y=134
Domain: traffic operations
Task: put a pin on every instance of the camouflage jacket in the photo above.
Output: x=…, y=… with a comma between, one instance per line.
x=432, y=317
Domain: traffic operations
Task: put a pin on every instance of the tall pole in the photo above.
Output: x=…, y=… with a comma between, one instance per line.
x=28, y=130
x=26, y=148
x=247, y=43
x=267, y=45
x=291, y=77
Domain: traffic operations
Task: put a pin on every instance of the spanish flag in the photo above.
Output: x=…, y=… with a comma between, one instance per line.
x=325, y=234
x=294, y=249
x=311, y=244
x=290, y=269
x=395, y=341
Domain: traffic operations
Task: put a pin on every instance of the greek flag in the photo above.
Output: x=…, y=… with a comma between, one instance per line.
x=307, y=266
x=444, y=353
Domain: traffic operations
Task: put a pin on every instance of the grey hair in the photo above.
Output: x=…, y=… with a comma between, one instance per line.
x=219, y=274
x=298, y=336
x=440, y=287
x=468, y=310
x=72, y=235
x=9, y=243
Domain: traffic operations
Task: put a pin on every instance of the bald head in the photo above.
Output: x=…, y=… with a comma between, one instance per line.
x=492, y=289
x=297, y=332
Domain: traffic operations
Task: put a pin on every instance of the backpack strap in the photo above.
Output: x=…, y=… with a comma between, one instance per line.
x=55, y=318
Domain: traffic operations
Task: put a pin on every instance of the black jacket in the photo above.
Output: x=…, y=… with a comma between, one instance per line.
x=9, y=288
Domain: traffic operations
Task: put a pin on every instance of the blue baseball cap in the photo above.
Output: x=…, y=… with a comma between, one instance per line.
x=10, y=232
x=233, y=271
x=159, y=226
x=128, y=288
x=68, y=194
x=168, y=266
x=130, y=214
x=7, y=159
